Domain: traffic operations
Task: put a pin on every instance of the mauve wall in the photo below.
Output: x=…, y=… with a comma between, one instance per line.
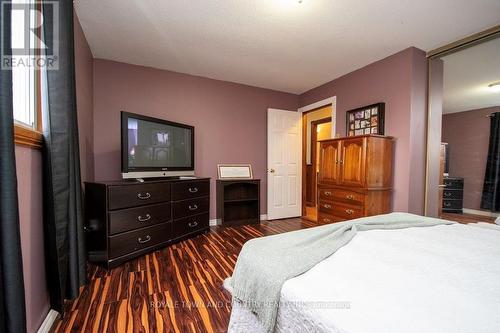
x=29, y=185
x=400, y=82
x=84, y=66
x=230, y=119
x=467, y=134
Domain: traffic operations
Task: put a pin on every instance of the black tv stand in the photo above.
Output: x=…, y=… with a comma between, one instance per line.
x=126, y=219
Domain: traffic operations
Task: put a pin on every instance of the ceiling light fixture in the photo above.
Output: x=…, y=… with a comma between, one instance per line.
x=495, y=87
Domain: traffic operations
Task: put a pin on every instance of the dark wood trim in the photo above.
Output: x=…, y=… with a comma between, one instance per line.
x=314, y=141
x=27, y=137
x=304, y=154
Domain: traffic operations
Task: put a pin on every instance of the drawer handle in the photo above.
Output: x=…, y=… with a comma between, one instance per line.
x=328, y=193
x=145, y=240
x=147, y=217
x=447, y=194
x=144, y=196
x=349, y=211
x=192, y=224
x=327, y=206
x=327, y=220
x=350, y=197
x=193, y=207
x=193, y=189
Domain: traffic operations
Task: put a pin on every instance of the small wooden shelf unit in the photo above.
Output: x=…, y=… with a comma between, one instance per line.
x=238, y=201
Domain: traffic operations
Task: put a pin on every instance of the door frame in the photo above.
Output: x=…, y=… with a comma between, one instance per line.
x=310, y=107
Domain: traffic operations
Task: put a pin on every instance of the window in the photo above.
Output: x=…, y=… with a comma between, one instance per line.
x=27, y=116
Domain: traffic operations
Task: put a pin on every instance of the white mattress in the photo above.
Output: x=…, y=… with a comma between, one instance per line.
x=435, y=279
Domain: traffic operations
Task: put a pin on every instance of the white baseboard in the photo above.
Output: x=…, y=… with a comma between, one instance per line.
x=216, y=222
x=48, y=322
x=480, y=212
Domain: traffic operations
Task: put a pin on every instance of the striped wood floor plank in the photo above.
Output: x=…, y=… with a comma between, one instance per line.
x=175, y=289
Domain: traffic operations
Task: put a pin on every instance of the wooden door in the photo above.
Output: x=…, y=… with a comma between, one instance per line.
x=329, y=161
x=352, y=162
x=284, y=157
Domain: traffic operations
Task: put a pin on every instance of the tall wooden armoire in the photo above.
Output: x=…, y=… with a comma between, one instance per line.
x=355, y=177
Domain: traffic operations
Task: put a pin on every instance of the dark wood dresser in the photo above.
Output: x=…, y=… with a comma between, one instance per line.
x=125, y=219
x=453, y=195
x=355, y=177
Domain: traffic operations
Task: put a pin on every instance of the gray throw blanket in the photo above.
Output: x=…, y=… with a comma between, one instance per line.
x=264, y=264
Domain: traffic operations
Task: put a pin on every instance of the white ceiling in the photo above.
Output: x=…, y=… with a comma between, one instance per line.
x=467, y=75
x=276, y=44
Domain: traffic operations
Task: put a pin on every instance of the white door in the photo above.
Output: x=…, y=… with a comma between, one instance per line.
x=284, y=160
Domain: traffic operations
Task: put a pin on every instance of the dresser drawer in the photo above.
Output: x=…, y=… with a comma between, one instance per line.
x=188, y=190
x=328, y=218
x=325, y=207
x=128, y=242
x=338, y=209
x=190, y=207
x=123, y=196
x=347, y=212
x=133, y=218
x=453, y=183
x=189, y=224
x=325, y=194
x=452, y=204
x=349, y=197
x=453, y=194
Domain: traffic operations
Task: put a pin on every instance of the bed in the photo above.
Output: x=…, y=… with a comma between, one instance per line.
x=444, y=278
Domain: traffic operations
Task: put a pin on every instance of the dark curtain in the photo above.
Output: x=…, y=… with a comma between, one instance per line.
x=491, y=188
x=12, y=306
x=64, y=240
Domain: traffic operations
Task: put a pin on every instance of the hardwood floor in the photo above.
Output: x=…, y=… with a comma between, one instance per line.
x=176, y=289
x=467, y=218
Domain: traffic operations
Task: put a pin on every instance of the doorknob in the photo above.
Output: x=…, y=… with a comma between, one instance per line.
x=272, y=171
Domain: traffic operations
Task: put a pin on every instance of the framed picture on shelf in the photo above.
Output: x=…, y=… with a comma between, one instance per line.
x=234, y=171
x=366, y=120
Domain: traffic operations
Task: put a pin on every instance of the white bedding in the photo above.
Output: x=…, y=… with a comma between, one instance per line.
x=436, y=279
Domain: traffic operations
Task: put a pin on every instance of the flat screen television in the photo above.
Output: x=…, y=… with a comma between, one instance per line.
x=154, y=147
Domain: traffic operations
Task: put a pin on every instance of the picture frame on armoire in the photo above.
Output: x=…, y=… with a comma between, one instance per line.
x=366, y=120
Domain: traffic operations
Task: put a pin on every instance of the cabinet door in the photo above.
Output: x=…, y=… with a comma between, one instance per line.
x=328, y=163
x=352, y=162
